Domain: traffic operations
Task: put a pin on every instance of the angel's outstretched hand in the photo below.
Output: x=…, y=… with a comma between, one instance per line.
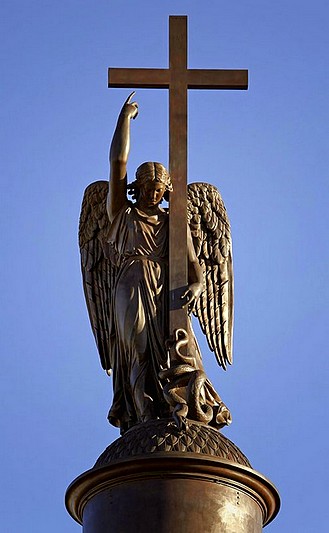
x=191, y=295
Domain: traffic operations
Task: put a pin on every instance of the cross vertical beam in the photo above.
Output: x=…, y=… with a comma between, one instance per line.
x=178, y=277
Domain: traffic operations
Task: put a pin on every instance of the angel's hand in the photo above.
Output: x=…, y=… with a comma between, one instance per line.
x=191, y=295
x=130, y=109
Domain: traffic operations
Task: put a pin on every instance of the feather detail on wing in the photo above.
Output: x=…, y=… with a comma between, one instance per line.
x=97, y=270
x=210, y=229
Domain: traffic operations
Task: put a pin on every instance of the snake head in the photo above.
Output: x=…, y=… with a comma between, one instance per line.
x=179, y=415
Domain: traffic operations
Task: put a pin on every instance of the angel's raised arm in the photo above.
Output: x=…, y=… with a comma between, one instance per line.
x=119, y=153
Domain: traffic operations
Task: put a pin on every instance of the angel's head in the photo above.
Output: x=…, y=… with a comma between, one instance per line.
x=152, y=182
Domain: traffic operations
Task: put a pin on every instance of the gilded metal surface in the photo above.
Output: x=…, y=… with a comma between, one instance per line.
x=124, y=259
x=151, y=78
x=136, y=304
x=164, y=436
x=185, y=385
x=178, y=79
x=178, y=169
x=160, y=475
x=172, y=492
x=211, y=234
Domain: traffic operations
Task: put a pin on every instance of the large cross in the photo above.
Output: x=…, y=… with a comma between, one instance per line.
x=178, y=79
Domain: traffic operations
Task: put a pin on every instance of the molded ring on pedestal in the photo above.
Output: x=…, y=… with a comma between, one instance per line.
x=159, y=458
x=173, y=465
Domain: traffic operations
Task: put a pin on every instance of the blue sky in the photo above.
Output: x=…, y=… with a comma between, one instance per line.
x=266, y=150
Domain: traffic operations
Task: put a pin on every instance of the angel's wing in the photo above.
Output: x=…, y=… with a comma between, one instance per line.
x=97, y=270
x=211, y=236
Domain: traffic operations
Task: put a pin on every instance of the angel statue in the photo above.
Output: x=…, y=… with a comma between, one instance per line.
x=124, y=259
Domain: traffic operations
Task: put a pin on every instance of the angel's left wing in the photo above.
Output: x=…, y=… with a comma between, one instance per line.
x=97, y=271
x=210, y=229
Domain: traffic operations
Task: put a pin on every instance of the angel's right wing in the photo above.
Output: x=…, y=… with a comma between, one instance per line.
x=97, y=271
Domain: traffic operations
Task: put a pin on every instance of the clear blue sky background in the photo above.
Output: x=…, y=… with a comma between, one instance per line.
x=266, y=149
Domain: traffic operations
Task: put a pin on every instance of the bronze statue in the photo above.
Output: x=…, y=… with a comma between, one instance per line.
x=124, y=257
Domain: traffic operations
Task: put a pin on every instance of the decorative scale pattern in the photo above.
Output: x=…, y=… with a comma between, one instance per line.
x=164, y=436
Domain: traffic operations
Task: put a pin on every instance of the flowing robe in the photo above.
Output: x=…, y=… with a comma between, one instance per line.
x=138, y=244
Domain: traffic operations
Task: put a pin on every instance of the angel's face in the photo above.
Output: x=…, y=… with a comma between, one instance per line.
x=151, y=194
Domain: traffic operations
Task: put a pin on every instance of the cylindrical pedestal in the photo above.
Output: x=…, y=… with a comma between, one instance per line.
x=172, y=493
x=157, y=478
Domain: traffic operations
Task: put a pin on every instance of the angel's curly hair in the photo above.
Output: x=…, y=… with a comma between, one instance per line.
x=150, y=171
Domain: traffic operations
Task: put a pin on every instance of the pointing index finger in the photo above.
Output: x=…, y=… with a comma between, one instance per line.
x=130, y=97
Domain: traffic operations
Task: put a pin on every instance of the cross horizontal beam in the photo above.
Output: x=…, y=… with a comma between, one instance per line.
x=151, y=78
